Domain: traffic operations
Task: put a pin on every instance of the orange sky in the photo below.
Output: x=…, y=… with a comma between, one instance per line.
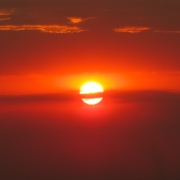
x=51, y=46
x=42, y=84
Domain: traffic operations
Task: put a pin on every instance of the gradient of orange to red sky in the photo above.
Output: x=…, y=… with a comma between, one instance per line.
x=53, y=46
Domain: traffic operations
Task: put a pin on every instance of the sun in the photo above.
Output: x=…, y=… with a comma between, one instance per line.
x=91, y=88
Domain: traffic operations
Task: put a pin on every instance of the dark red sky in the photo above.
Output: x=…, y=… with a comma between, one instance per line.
x=51, y=44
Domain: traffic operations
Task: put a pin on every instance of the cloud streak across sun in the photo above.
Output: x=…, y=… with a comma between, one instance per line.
x=42, y=28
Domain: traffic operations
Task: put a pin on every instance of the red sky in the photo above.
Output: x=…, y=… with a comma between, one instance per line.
x=49, y=46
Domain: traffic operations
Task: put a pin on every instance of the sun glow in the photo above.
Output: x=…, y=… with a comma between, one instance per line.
x=91, y=88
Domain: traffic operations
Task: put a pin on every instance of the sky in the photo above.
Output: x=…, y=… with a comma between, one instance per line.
x=48, y=46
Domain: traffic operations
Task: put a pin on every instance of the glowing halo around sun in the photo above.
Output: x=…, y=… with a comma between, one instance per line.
x=90, y=88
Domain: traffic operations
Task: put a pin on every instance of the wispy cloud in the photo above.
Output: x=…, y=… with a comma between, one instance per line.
x=131, y=29
x=5, y=14
x=137, y=29
x=76, y=20
x=4, y=19
x=173, y=32
x=42, y=28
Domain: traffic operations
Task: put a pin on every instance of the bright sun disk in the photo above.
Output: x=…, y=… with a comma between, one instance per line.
x=89, y=88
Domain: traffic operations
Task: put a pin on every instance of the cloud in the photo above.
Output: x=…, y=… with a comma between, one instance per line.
x=42, y=28
x=174, y=32
x=76, y=20
x=135, y=29
x=5, y=14
x=131, y=29
x=4, y=19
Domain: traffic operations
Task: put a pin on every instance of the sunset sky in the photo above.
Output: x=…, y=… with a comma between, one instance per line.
x=48, y=46
x=89, y=89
